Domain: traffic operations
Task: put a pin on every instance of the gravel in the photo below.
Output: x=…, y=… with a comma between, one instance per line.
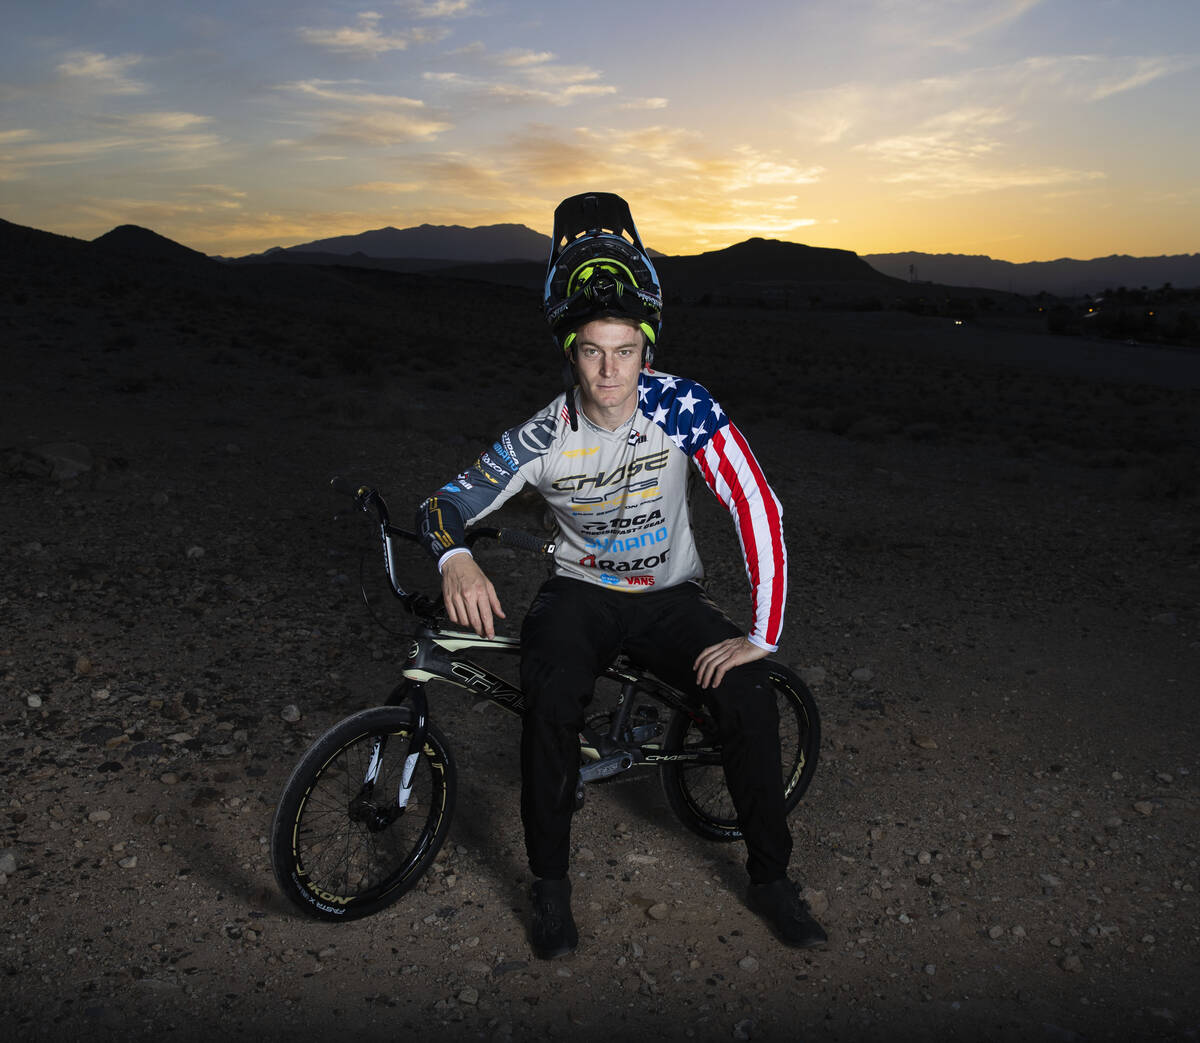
x=1001, y=837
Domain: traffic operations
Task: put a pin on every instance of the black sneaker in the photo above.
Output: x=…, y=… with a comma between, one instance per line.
x=552, y=929
x=787, y=913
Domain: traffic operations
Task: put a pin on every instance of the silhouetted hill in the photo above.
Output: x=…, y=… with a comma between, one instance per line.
x=756, y=271
x=19, y=243
x=1063, y=277
x=354, y=260
x=502, y=242
x=141, y=243
x=767, y=263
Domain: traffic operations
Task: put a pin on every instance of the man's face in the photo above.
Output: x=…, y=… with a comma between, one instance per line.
x=608, y=358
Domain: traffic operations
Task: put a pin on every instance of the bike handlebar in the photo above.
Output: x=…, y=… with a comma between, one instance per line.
x=365, y=498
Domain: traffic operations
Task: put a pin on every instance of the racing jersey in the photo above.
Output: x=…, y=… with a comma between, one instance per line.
x=620, y=498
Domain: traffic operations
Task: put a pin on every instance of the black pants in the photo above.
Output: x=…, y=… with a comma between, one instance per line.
x=572, y=632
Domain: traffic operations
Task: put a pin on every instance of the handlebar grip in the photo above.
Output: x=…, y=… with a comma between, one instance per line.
x=525, y=541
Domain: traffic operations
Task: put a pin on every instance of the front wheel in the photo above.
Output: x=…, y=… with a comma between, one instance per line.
x=341, y=846
x=696, y=790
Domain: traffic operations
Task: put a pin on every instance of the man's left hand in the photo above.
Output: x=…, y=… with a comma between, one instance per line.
x=714, y=661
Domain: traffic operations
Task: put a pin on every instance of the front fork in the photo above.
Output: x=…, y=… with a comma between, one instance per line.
x=362, y=807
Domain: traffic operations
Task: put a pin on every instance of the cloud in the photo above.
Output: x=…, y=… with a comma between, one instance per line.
x=365, y=38
x=102, y=74
x=166, y=122
x=525, y=58
x=1138, y=72
x=162, y=134
x=526, y=78
x=380, y=128
x=645, y=103
x=439, y=8
x=388, y=187
x=363, y=117
x=329, y=90
x=962, y=151
x=943, y=24
x=222, y=197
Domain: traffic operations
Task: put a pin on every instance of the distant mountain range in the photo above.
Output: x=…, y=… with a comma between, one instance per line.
x=1063, y=278
x=430, y=247
x=486, y=243
x=754, y=271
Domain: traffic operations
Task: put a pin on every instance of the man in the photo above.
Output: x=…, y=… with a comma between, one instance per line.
x=612, y=457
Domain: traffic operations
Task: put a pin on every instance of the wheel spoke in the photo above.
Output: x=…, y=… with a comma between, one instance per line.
x=343, y=843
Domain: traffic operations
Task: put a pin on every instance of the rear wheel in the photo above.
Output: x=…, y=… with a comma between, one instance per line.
x=696, y=790
x=341, y=848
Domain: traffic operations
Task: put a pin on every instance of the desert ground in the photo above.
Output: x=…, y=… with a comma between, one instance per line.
x=994, y=549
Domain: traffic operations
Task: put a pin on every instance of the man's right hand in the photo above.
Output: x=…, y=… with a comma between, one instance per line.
x=470, y=598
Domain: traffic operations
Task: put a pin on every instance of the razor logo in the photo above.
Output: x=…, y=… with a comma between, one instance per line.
x=487, y=463
x=589, y=561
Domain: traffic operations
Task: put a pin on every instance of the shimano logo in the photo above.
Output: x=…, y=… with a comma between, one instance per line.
x=505, y=455
x=617, y=544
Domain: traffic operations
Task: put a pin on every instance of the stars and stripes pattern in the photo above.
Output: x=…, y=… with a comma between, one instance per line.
x=693, y=420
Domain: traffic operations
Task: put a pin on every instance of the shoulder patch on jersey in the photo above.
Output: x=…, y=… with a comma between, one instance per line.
x=519, y=445
x=684, y=409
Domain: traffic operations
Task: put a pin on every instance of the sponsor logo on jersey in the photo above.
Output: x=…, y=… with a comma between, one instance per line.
x=640, y=581
x=616, y=500
x=590, y=561
x=616, y=477
x=581, y=452
x=638, y=521
x=487, y=462
x=537, y=435
x=619, y=544
x=609, y=578
x=635, y=438
x=505, y=454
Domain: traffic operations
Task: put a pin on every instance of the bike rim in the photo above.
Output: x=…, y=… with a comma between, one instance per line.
x=340, y=863
x=704, y=785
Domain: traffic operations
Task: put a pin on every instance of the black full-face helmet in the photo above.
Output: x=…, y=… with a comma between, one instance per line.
x=598, y=268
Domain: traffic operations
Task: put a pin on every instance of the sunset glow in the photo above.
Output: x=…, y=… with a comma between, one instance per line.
x=1021, y=129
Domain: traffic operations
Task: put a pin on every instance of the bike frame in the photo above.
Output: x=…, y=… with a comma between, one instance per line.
x=433, y=655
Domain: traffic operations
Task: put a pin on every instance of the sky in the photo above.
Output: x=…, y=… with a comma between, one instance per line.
x=1021, y=129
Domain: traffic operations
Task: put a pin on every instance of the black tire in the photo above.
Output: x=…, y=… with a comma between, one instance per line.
x=337, y=866
x=697, y=792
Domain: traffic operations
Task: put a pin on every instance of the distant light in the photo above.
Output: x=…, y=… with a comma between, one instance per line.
x=958, y=322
